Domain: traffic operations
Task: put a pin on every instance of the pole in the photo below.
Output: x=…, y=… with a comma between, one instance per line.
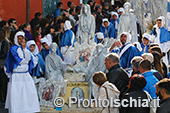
x=27, y=10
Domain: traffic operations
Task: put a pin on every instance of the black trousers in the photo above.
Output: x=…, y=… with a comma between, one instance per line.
x=3, y=85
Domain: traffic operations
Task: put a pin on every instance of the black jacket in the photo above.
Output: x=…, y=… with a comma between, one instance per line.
x=118, y=77
x=98, y=21
x=164, y=106
x=132, y=109
x=4, y=50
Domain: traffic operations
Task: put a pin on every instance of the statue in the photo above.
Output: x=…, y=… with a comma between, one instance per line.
x=86, y=27
x=97, y=63
x=127, y=23
x=55, y=66
x=139, y=8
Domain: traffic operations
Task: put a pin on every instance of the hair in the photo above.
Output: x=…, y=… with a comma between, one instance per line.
x=35, y=34
x=7, y=32
x=69, y=3
x=164, y=83
x=11, y=20
x=153, y=44
x=99, y=78
x=25, y=25
x=71, y=10
x=158, y=63
x=137, y=82
x=97, y=7
x=148, y=56
x=3, y=23
x=89, y=2
x=59, y=4
x=47, y=30
x=135, y=61
x=145, y=64
x=37, y=14
x=78, y=8
x=2, y=37
x=43, y=22
x=157, y=49
x=113, y=57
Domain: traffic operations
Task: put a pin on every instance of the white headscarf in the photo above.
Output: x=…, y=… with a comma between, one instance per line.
x=105, y=20
x=138, y=46
x=19, y=33
x=147, y=36
x=162, y=18
x=114, y=13
x=45, y=40
x=100, y=35
x=67, y=25
x=128, y=37
x=32, y=42
x=121, y=10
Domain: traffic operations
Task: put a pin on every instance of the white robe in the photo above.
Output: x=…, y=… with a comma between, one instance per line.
x=22, y=95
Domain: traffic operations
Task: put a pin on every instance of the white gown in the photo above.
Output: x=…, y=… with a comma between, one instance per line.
x=22, y=95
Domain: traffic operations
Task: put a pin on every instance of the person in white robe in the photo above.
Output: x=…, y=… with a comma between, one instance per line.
x=54, y=65
x=127, y=23
x=21, y=95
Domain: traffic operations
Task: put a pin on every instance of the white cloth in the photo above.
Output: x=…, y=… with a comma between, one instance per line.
x=138, y=46
x=45, y=40
x=100, y=35
x=49, y=37
x=19, y=33
x=121, y=10
x=22, y=95
x=67, y=25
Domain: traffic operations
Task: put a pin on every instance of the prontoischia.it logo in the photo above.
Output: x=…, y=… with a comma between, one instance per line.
x=59, y=102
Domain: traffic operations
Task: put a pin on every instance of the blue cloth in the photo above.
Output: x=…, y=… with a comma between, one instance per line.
x=41, y=63
x=168, y=9
x=97, y=41
x=168, y=75
x=44, y=53
x=28, y=35
x=13, y=60
x=157, y=74
x=59, y=53
x=147, y=47
x=151, y=81
x=125, y=59
x=164, y=35
x=57, y=13
x=113, y=22
x=75, y=29
x=67, y=38
x=110, y=30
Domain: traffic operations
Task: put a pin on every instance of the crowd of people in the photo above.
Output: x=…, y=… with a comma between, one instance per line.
x=135, y=69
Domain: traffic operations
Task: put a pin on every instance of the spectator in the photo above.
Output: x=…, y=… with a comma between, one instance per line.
x=3, y=77
x=135, y=64
x=58, y=34
x=12, y=24
x=105, y=10
x=136, y=84
x=70, y=5
x=27, y=29
x=59, y=8
x=145, y=70
x=7, y=36
x=3, y=24
x=99, y=17
x=116, y=74
x=36, y=34
x=106, y=91
x=34, y=22
x=72, y=13
x=150, y=57
x=49, y=32
x=163, y=91
x=44, y=23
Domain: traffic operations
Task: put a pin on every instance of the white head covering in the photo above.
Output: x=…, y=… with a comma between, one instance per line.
x=149, y=57
x=19, y=33
x=100, y=35
x=32, y=42
x=105, y=20
x=128, y=37
x=45, y=40
x=67, y=25
x=53, y=47
x=162, y=18
x=121, y=10
x=127, y=3
x=131, y=11
x=138, y=46
x=114, y=13
x=147, y=36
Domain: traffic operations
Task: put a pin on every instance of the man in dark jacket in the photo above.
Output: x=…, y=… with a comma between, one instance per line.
x=36, y=20
x=116, y=74
x=99, y=17
x=163, y=91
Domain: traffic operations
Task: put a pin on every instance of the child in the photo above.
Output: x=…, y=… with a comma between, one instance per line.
x=145, y=43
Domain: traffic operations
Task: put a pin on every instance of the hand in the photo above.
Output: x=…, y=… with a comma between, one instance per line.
x=67, y=15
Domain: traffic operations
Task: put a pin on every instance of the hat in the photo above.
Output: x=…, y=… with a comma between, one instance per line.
x=105, y=20
x=100, y=35
x=147, y=36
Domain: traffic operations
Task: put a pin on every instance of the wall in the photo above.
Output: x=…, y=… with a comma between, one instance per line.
x=17, y=9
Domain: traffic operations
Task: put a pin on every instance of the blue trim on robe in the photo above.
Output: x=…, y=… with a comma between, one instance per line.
x=36, y=70
x=125, y=59
x=110, y=29
x=75, y=29
x=113, y=22
x=67, y=38
x=147, y=47
x=164, y=35
x=44, y=53
x=168, y=8
x=13, y=60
